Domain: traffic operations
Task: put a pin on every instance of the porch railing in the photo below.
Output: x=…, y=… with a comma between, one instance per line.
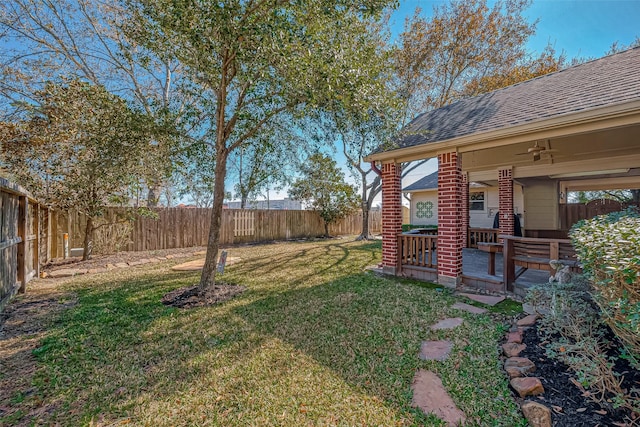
x=485, y=235
x=416, y=250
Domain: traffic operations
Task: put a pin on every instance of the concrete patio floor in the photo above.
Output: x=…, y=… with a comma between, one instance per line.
x=475, y=263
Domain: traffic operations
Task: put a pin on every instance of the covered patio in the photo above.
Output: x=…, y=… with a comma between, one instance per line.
x=573, y=130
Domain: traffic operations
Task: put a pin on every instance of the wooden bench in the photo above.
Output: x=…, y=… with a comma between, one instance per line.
x=534, y=253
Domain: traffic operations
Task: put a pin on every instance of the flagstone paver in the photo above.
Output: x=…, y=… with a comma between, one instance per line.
x=484, y=299
x=469, y=308
x=529, y=320
x=435, y=350
x=450, y=323
x=431, y=397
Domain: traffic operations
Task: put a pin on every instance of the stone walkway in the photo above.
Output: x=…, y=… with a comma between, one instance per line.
x=429, y=394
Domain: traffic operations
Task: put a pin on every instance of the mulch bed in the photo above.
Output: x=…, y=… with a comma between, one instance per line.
x=191, y=297
x=570, y=405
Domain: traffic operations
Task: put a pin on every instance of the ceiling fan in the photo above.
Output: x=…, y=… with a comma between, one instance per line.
x=537, y=150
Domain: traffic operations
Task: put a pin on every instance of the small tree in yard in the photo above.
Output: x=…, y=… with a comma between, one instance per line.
x=79, y=147
x=322, y=187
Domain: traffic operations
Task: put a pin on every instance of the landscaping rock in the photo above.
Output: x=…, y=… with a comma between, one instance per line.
x=431, y=397
x=512, y=349
x=435, y=350
x=484, y=299
x=530, y=320
x=469, y=308
x=528, y=386
x=447, y=324
x=515, y=337
x=518, y=366
x=537, y=414
x=122, y=265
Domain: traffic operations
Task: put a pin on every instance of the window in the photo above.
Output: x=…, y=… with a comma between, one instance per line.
x=476, y=201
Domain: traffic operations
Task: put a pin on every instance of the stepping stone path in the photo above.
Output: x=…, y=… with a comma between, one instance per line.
x=435, y=350
x=484, y=299
x=430, y=395
x=428, y=392
x=468, y=308
x=451, y=323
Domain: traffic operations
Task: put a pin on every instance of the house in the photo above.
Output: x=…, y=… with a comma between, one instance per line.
x=483, y=202
x=575, y=129
x=280, y=204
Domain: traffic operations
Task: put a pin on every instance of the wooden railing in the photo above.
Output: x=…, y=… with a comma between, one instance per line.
x=527, y=252
x=485, y=235
x=416, y=250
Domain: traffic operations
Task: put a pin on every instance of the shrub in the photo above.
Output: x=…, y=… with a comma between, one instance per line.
x=608, y=247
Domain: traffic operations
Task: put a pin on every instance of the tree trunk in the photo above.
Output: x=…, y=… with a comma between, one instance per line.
x=208, y=277
x=88, y=239
x=243, y=201
x=153, y=195
x=326, y=229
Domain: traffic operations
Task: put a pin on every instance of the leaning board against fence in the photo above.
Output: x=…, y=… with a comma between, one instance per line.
x=24, y=239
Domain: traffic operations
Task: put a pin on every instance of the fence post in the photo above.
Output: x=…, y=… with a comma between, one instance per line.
x=36, y=243
x=23, y=217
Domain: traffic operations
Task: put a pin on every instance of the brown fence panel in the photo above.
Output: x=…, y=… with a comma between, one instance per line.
x=188, y=227
x=570, y=213
x=23, y=238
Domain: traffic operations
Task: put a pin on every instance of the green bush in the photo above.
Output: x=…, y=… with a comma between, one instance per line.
x=608, y=247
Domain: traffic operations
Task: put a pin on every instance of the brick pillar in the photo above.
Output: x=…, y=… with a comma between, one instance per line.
x=450, y=221
x=391, y=215
x=465, y=210
x=505, y=188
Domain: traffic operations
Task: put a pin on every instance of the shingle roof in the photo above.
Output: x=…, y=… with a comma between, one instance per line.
x=429, y=182
x=606, y=81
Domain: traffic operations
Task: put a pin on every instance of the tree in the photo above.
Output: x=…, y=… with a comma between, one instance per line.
x=79, y=148
x=251, y=61
x=44, y=39
x=321, y=187
x=266, y=160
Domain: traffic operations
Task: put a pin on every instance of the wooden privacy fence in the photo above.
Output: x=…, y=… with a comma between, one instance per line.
x=188, y=227
x=24, y=239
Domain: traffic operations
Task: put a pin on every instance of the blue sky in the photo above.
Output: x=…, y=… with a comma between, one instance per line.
x=582, y=28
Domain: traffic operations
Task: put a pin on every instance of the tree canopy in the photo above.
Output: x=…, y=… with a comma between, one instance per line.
x=322, y=187
x=79, y=147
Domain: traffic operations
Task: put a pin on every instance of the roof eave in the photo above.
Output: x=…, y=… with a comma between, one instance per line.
x=515, y=134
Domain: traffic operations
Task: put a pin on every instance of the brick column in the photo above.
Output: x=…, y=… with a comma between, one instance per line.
x=391, y=215
x=465, y=210
x=450, y=221
x=505, y=188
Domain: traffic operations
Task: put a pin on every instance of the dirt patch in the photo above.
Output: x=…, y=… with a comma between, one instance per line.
x=130, y=258
x=192, y=296
x=23, y=325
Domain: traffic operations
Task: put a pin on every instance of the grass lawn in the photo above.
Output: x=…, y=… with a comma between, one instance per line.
x=315, y=340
